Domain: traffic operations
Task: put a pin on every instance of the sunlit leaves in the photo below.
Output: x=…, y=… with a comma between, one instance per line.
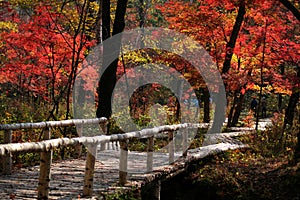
x=210, y=23
x=40, y=53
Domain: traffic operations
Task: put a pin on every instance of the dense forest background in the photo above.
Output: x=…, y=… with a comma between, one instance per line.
x=255, y=45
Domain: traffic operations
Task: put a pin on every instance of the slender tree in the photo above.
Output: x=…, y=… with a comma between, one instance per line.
x=233, y=37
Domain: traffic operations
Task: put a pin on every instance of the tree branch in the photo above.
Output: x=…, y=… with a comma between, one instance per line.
x=291, y=8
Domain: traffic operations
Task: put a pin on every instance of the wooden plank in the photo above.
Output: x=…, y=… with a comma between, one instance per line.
x=45, y=170
x=67, y=176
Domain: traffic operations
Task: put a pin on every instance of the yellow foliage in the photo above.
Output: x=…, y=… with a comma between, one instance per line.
x=8, y=26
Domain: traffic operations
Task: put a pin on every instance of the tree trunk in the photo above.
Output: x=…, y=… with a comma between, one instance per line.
x=98, y=34
x=206, y=106
x=234, y=34
x=141, y=13
x=297, y=150
x=105, y=4
x=108, y=79
x=289, y=116
x=279, y=105
x=238, y=110
x=289, y=113
x=226, y=65
x=231, y=112
x=261, y=75
x=291, y=8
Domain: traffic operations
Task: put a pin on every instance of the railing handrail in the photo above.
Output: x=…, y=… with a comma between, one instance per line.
x=47, y=145
x=46, y=124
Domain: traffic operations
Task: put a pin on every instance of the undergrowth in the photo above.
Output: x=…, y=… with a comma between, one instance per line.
x=263, y=171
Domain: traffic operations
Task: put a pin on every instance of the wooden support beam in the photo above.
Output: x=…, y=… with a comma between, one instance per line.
x=171, y=146
x=89, y=170
x=104, y=129
x=7, y=159
x=123, y=162
x=45, y=170
x=150, y=150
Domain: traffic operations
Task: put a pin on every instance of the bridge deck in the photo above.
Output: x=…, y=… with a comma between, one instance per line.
x=67, y=176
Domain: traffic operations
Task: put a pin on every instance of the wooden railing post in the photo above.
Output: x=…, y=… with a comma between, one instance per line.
x=150, y=150
x=123, y=162
x=7, y=160
x=45, y=169
x=89, y=170
x=104, y=128
x=78, y=147
x=171, y=146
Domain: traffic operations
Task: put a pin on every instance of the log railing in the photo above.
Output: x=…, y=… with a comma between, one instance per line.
x=46, y=147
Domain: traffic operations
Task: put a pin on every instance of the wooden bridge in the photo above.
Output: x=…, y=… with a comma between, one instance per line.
x=107, y=166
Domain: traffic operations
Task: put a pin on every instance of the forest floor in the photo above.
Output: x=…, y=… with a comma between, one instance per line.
x=237, y=174
x=259, y=172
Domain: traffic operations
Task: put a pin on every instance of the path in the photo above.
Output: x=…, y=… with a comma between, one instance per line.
x=67, y=176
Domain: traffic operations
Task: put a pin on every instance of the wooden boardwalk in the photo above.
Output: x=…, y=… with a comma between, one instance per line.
x=67, y=176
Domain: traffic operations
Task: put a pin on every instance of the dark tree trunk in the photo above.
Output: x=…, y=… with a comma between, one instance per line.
x=141, y=13
x=289, y=117
x=108, y=79
x=234, y=34
x=217, y=125
x=206, y=106
x=238, y=110
x=297, y=150
x=291, y=8
x=289, y=113
x=105, y=4
x=279, y=105
x=119, y=23
x=257, y=111
x=98, y=25
x=232, y=108
x=238, y=101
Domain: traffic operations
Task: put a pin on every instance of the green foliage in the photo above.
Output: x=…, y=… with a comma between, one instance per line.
x=198, y=140
x=121, y=195
x=274, y=142
x=18, y=109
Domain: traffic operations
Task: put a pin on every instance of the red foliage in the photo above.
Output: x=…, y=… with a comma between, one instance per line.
x=211, y=23
x=38, y=55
